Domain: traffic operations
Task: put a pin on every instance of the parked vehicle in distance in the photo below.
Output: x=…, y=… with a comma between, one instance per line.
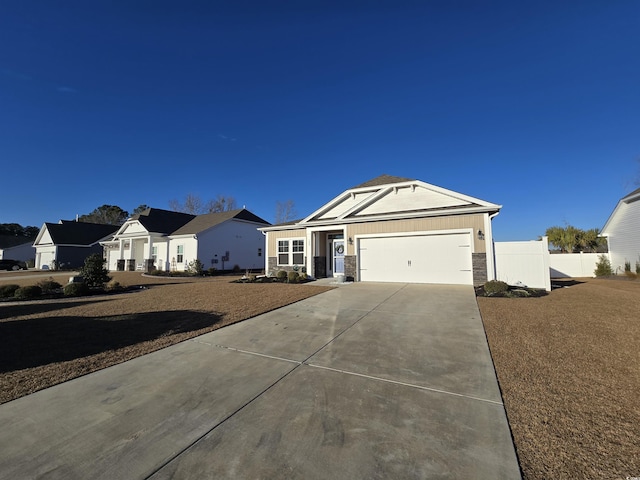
x=12, y=265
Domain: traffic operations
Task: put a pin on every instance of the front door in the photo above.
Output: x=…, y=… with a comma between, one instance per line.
x=338, y=257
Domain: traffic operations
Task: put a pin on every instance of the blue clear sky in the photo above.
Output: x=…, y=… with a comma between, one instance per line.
x=531, y=105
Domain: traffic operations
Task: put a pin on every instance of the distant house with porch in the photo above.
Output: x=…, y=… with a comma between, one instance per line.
x=157, y=239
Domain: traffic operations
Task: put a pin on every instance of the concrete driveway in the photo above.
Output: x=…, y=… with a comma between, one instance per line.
x=365, y=381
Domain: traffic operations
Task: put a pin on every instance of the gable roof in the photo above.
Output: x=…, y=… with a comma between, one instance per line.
x=76, y=233
x=204, y=222
x=627, y=199
x=390, y=198
x=162, y=221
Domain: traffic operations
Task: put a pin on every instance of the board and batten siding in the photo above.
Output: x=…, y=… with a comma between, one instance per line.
x=453, y=222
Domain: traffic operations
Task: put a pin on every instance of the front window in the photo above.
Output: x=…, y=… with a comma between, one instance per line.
x=298, y=252
x=283, y=252
x=180, y=255
x=290, y=252
x=154, y=253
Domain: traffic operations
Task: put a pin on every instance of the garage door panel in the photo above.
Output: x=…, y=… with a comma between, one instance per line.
x=417, y=259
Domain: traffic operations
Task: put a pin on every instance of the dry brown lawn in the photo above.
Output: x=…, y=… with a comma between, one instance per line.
x=51, y=341
x=568, y=363
x=569, y=369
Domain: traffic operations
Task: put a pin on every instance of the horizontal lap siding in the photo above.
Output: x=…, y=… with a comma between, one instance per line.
x=454, y=222
x=273, y=237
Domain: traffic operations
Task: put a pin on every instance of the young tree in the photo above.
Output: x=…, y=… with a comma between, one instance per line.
x=285, y=212
x=93, y=272
x=106, y=214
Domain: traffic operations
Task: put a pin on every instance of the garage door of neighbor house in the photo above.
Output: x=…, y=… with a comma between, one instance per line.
x=442, y=258
x=46, y=258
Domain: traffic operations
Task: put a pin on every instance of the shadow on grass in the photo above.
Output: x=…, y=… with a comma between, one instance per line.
x=8, y=310
x=34, y=342
x=567, y=282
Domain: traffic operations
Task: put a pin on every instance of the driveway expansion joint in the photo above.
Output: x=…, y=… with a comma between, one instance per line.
x=405, y=384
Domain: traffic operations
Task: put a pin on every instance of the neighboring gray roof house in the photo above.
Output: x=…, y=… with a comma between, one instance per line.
x=13, y=247
x=66, y=244
x=166, y=240
x=623, y=232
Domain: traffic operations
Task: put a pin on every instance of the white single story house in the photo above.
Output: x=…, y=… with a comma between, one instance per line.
x=16, y=248
x=165, y=240
x=66, y=244
x=623, y=232
x=390, y=229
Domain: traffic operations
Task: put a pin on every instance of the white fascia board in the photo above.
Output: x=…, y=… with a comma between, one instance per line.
x=404, y=216
x=336, y=200
x=366, y=202
x=603, y=232
x=43, y=228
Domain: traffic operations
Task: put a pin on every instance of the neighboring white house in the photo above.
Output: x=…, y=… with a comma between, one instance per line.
x=623, y=232
x=16, y=248
x=165, y=240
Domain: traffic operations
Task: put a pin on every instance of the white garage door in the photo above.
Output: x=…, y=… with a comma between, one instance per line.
x=45, y=259
x=417, y=259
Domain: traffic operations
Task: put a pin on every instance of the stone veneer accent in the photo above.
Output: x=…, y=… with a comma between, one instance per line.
x=350, y=267
x=274, y=267
x=479, y=262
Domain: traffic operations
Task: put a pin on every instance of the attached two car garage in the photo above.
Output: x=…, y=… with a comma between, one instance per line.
x=416, y=258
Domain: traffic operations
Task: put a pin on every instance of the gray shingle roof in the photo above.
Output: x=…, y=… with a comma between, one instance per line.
x=384, y=179
x=206, y=221
x=162, y=221
x=79, y=233
x=8, y=241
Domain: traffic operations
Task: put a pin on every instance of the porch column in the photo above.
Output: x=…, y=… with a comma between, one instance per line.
x=309, y=252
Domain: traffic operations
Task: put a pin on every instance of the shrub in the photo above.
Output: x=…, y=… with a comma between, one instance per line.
x=49, y=285
x=252, y=277
x=31, y=291
x=304, y=277
x=638, y=267
x=281, y=275
x=195, y=267
x=293, y=277
x=114, y=286
x=495, y=286
x=236, y=269
x=603, y=267
x=93, y=271
x=8, y=291
x=212, y=271
x=75, y=289
x=627, y=266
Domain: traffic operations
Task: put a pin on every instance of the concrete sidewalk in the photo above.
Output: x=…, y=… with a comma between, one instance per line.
x=364, y=381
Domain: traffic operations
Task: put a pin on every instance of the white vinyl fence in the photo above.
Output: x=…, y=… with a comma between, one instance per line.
x=523, y=263
x=573, y=264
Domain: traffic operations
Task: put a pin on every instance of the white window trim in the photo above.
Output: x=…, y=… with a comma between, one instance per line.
x=290, y=253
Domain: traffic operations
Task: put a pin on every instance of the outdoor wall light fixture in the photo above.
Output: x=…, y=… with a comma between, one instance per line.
x=350, y=241
x=480, y=235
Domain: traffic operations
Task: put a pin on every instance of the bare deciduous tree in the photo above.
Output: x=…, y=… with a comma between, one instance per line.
x=285, y=212
x=194, y=205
